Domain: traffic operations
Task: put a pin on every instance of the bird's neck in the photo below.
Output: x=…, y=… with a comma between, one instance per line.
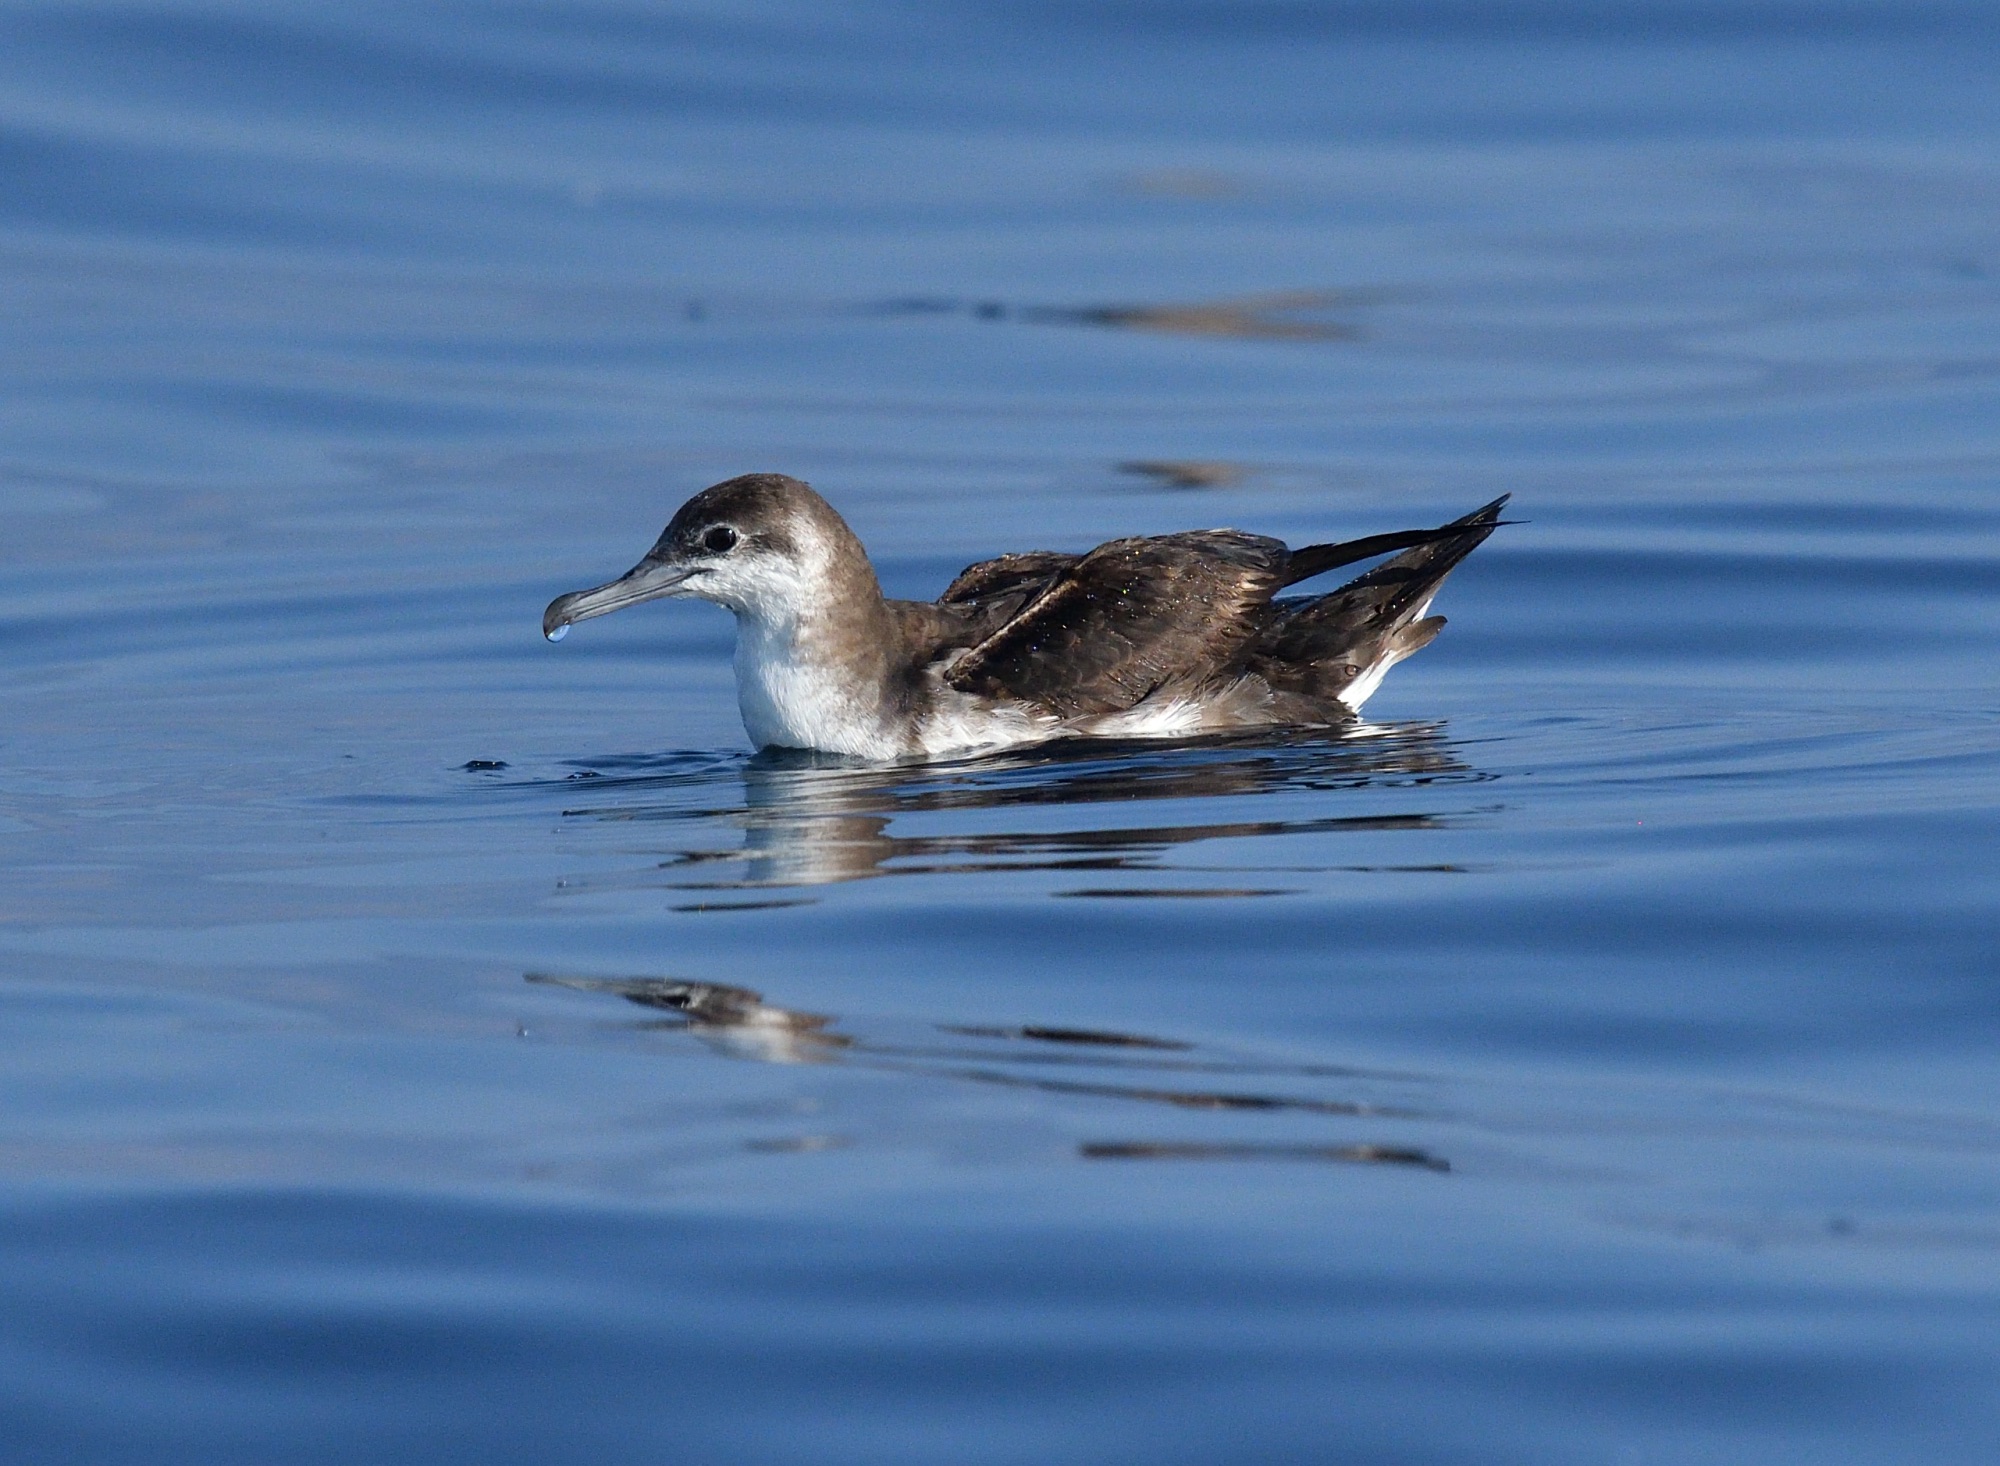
x=817, y=672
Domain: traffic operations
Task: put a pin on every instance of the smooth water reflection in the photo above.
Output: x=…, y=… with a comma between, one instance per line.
x=813, y=821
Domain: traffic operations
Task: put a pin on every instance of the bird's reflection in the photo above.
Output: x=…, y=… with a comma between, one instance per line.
x=1279, y=315
x=1067, y=1062
x=810, y=819
x=736, y=1021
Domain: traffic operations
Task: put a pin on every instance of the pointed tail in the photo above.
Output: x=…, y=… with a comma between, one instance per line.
x=1338, y=646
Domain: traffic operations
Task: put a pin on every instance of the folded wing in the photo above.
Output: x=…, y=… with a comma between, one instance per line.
x=1102, y=632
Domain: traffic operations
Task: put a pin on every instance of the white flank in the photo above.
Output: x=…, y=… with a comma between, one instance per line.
x=1363, y=687
x=965, y=724
x=1168, y=717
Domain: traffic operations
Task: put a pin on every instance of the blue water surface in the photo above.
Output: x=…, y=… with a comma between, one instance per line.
x=427, y=1044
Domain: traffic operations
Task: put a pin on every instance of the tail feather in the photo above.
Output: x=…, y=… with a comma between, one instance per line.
x=1336, y=647
x=1310, y=560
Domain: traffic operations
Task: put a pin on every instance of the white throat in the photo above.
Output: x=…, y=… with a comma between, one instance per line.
x=793, y=685
x=792, y=695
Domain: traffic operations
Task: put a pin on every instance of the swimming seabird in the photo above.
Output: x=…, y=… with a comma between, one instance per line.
x=1162, y=635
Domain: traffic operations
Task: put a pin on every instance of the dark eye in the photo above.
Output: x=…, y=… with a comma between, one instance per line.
x=720, y=540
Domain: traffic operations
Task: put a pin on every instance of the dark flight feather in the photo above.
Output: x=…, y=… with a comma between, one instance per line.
x=1128, y=619
x=1316, y=645
x=1310, y=560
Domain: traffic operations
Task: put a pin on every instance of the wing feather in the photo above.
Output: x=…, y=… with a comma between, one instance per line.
x=1318, y=645
x=1132, y=617
x=1008, y=575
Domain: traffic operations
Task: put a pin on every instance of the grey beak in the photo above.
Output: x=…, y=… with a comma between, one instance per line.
x=647, y=581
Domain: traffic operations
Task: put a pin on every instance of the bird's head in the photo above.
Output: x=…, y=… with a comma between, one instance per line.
x=764, y=545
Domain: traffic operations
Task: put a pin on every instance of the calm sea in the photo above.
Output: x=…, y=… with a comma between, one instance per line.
x=424, y=1044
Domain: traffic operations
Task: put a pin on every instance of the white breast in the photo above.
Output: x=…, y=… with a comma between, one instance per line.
x=790, y=699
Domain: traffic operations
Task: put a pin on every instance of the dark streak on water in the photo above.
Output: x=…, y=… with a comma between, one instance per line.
x=1590, y=1059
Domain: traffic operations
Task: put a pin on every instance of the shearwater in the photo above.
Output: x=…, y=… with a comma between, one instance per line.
x=1160, y=635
